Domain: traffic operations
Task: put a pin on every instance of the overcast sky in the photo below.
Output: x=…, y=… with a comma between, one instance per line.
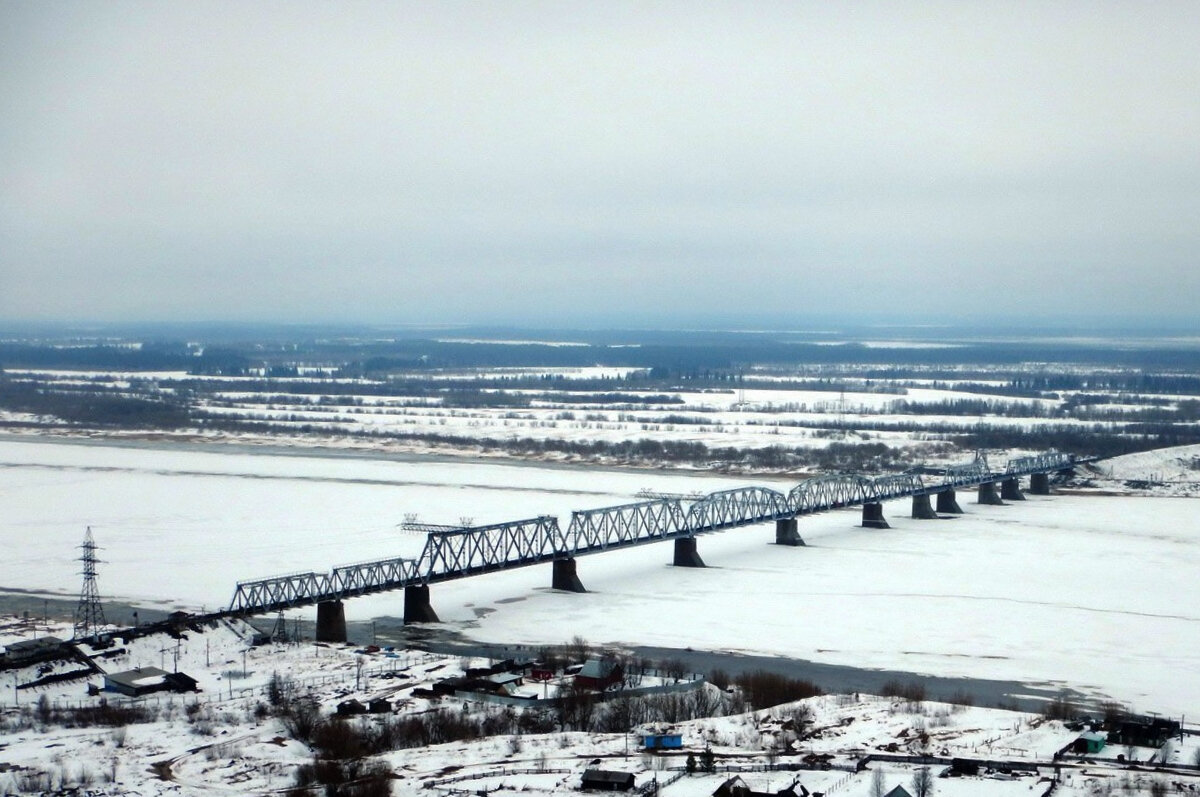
x=598, y=163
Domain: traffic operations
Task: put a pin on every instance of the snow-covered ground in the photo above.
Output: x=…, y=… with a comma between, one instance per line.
x=1093, y=592
x=1165, y=471
x=224, y=739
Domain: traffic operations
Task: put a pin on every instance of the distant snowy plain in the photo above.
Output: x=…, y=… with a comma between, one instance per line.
x=1094, y=592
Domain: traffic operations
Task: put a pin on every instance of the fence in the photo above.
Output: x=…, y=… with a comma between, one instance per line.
x=503, y=772
x=651, y=786
x=225, y=694
x=690, y=682
x=841, y=782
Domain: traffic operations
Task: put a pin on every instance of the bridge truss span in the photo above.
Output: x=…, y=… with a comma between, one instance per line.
x=452, y=552
x=362, y=578
x=834, y=491
x=479, y=549
x=896, y=485
x=967, y=475
x=1039, y=463
x=741, y=506
x=627, y=524
x=278, y=592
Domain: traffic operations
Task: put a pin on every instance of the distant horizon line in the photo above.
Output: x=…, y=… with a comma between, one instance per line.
x=816, y=326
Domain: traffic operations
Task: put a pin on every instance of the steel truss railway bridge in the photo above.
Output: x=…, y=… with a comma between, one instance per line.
x=453, y=552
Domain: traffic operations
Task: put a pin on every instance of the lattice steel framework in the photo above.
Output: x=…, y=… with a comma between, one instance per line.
x=89, y=614
x=615, y=526
x=898, y=485
x=743, y=506
x=458, y=551
x=464, y=552
x=1039, y=463
x=286, y=591
x=834, y=491
x=964, y=475
x=363, y=578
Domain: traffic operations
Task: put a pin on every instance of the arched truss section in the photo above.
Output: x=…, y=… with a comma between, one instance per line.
x=479, y=549
x=1039, y=463
x=896, y=485
x=614, y=526
x=830, y=492
x=738, y=507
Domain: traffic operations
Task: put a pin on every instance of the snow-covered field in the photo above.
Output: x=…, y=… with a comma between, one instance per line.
x=1166, y=471
x=720, y=418
x=1093, y=592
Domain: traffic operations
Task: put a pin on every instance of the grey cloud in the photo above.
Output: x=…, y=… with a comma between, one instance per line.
x=642, y=162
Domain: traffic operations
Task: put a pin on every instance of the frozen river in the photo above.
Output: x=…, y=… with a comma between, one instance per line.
x=1099, y=593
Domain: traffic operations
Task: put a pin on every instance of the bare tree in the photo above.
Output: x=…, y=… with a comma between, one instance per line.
x=802, y=715
x=1166, y=752
x=706, y=701
x=922, y=783
x=877, y=786
x=575, y=707
x=578, y=649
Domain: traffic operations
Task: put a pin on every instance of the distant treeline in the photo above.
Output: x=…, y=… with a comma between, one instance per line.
x=1078, y=407
x=699, y=355
x=94, y=408
x=1083, y=442
x=871, y=456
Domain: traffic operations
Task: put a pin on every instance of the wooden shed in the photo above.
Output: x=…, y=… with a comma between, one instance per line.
x=606, y=780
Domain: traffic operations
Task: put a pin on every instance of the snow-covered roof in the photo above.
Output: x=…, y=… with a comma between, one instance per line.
x=597, y=668
x=140, y=676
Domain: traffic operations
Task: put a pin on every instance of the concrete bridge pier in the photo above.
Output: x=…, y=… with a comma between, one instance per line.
x=873, y=516
x=947, y=503
x=922, y=508
x=1010, y=489
x=787, y=532
x=417, y=608
x=1039, y=484
x=331, y=622
x=686, y=554
x=987, y=494
x=565, y=577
